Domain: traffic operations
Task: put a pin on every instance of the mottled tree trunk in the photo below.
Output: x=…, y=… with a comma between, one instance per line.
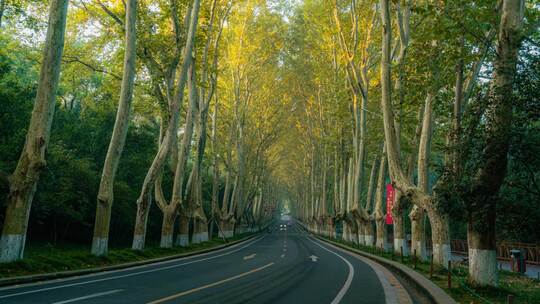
x=418, y=243
x=418, y=239
x=200, y=230
x=171, y=210
x=167, y=227
x=417, y=214
x=105, y=195
x=378, y=214
x=368, y=219
x=141, y=218
x=400, y=241
x=170, y=136
x=491, y=173
x=23, y=181
x=182, y=239
x=440, y=237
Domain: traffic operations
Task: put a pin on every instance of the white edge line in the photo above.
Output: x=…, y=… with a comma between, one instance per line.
x=107, y=272
x=350, y=277
x=129, y=274
x=389, y=293
x=94, y=295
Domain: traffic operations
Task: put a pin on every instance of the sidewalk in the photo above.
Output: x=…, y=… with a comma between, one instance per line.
x=532, y=270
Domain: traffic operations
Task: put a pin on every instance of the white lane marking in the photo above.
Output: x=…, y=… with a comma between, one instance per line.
x=251, y=256
x=129, y=274
x=144, y=266
x=313, y=258
x=283, y=255
x=94, y=295
x=183, y=293
x=350, y=277
x=383, y=275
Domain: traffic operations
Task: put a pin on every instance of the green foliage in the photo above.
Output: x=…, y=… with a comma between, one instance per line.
x=520, y=194
x=64, y=204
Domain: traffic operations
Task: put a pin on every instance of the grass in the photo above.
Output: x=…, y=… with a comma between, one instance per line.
x=41, y=259
x=520, y=287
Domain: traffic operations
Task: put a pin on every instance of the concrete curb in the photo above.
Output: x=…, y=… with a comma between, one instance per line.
x=421, y=283
x=71, y=273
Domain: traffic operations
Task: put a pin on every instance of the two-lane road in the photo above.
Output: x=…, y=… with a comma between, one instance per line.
x=286, y=266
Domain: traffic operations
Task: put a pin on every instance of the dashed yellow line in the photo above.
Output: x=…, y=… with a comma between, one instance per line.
x=184, y=293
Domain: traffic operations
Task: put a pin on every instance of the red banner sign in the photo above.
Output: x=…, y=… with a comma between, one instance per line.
x=390, y=196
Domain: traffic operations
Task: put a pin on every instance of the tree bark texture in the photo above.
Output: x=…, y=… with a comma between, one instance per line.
x=23, y=181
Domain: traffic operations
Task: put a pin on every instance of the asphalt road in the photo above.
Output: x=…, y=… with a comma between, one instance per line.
x=285, y=266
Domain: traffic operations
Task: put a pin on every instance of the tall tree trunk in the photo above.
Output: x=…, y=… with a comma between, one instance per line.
x=141, y=218
x=171, y=210
x=216, y=211
x=23, y=182
x=201, y=224
x=378, y=213
x=439, y=221
x=417, y=214
x=182, y=239
x=170, y=136
x=105, y=195
x=167, y=226
x=398, y=214
x=418, y=239
x=368, y=223
x=491, y=173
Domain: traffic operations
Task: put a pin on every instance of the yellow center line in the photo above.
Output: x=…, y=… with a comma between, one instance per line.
x=183, y=293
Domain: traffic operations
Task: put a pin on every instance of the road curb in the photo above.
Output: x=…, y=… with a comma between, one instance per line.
x=433, y=292
x=72, y=273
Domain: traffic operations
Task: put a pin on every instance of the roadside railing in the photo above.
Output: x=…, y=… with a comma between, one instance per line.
x=532, y=251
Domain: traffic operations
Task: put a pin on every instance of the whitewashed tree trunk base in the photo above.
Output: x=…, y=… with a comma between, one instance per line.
x=361, y=239
x=226, y=234
x=12, y=247
x=166, y=241
x=138, y=242
x=100, y=246
x=182, y=240
x=370, y=240
x=442, y=254
x=354, y=237
x=199, y=237
x=398, y=244
x=421, y=252
x=483, y=267
x=345, y=235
